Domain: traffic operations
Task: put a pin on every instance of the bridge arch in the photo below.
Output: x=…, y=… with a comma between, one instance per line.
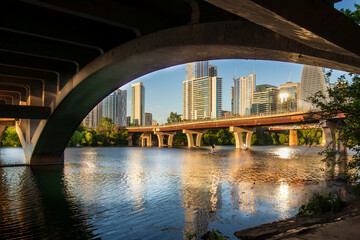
x=214, y=40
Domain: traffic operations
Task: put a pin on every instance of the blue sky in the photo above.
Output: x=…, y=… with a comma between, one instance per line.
x=160, y=103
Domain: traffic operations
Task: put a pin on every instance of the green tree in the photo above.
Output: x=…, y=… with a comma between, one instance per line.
x=173, y=118
x=353, y=15
x=10, y=138
x=344, y=98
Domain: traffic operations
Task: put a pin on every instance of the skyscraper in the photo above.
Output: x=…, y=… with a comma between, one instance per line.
x=202, y=91
x=114, y=107
x=138, y=103
x=265, y=100
x=94, y=116
x=243, y=99
x=312, y=81
x=288, y=97
x=148, y=119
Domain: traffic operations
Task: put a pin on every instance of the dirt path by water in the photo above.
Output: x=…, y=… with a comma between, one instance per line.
x=343, y=225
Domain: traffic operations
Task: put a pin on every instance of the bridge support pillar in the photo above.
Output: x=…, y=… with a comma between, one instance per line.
x=190, y=137
x=161, y=136
x=145, y=139
x=2, y=128
x=329, y=140
x=170, y=140
x=293, y=137
x=238, y=133
x=130, y=139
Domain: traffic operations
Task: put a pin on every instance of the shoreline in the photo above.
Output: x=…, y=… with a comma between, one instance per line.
x=338, y=225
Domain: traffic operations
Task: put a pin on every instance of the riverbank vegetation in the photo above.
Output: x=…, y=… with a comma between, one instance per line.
x=106, y=134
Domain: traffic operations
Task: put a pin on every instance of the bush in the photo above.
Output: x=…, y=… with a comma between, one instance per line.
x=322, y=204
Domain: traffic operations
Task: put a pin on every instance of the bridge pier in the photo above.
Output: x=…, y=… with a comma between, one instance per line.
x=239, y=142
x=145, y=139
x=293, y=141
x=130, y=139
x=170, y=140
x=161, y=135
x=190, y=138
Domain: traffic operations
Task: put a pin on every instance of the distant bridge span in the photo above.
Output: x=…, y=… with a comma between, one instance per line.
x=258, y=121
x=238, y=126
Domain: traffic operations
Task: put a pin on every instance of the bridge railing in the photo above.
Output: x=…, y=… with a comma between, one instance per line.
x=207, y=120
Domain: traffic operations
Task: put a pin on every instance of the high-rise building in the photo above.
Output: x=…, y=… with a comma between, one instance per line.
x=265, y=100
x=128, y=120
x=148, y=119
x=138, y=103
x=288, y=100
x=202, y=91
x=154, y=123
x=114, y=107
x=94, y=116
x=312, y=81
x=243, y=99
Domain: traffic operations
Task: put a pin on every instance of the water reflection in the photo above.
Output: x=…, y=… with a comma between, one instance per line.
x=152, y=193
x=34, y=205
x=201, y=191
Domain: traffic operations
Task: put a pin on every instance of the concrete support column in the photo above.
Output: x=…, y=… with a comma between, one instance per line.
x=238, y=133
x=130, y=139
x=149, y=142
x=160, y=139
x=293, y=137
x=248, y=139
x=190, y=138
x=2, y=128
x=198, y=139
x=329, y=135
x=146, y=137
x=170, y=140
x=239, y=143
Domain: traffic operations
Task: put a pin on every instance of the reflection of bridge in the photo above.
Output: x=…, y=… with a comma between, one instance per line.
x=239, y=126
x=65, y=56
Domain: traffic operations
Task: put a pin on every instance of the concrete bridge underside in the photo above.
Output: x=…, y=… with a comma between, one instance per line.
x=68, y=56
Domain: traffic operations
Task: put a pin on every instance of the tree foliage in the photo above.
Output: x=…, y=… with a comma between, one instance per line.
x=106, y=134
x=353, y=15
x=9, y=138
x=342, y=98
x=173, y=118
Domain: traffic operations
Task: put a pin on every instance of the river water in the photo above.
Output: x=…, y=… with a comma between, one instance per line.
x=156, y=193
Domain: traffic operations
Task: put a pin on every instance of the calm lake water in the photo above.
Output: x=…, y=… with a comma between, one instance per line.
x=153, y=193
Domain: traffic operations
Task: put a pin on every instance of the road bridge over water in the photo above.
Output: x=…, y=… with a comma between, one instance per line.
x=239, y=126
x=64, y=57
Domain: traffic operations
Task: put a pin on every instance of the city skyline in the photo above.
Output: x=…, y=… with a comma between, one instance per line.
x=164, y=87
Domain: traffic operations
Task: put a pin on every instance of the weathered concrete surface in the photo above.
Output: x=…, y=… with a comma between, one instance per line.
x=342, y=225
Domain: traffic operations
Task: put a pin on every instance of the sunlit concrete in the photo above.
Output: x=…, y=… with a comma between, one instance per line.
x=146, y=140
x=161, y=136
x=293, y=140
x=238, y=133
x=190, y=137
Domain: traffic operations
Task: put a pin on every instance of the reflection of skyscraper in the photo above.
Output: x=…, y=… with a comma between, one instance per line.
x=201, y=193
x=138, y=103
x=312, y=81
x=114, y=107
x=244, y=88
x=202, y=91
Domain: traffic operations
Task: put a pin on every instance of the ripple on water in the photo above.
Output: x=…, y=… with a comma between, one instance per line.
x=151, y=193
